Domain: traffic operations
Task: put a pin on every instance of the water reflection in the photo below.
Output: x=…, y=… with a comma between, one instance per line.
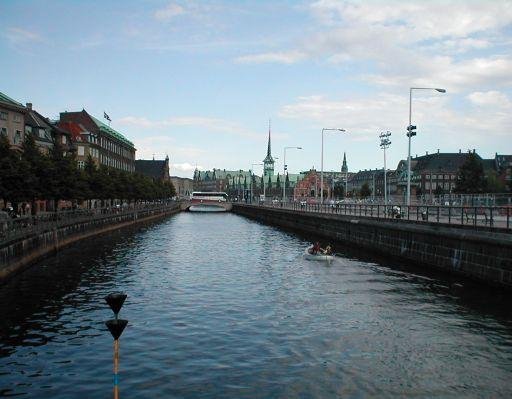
x=220, y=306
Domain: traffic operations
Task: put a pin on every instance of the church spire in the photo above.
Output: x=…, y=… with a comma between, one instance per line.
x=268, y=162
x=344, y=167
x=269, y=153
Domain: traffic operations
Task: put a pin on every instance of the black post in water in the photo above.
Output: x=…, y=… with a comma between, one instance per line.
x=116, y=327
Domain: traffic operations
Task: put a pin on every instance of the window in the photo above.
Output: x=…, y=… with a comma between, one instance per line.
x=3, y=131
x=81, y=164
x=81, y=150
x=42, y=133
x=17, y=118
x=3, y=115
x=17, y=137
x=64, y=140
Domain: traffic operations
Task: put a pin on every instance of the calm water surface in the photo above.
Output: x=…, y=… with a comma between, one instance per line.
x=223, y=307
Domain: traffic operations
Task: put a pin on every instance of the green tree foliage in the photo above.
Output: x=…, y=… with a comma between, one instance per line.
x=494, y=184
x=31, y=175
x=339, y=190
x=365, y=191
x=470, y=177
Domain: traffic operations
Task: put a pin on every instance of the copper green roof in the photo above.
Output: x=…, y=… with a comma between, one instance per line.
x=111, y=132
x=9, y=100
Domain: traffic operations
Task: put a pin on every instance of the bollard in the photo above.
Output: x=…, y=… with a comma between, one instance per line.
x=116, y=327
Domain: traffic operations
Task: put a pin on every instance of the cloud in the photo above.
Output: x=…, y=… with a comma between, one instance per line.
x=402, y=43
x=185, y=167
x=214, y=124
x=287, y=57
x=18, y=36
x=490, y=98
x=168, y=12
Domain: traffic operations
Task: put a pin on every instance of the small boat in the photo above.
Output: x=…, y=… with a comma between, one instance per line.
x=319, y=256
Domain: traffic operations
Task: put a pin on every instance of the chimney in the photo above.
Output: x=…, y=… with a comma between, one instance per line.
x=438, y=150
x=460, y=151
x=426, y=152
x=473, y=150
x=29, y=106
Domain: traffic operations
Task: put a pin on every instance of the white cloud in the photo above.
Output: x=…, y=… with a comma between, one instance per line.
x=185, y=167
x=213, y=124
x=168, y=12
x=19, y=36
x=287, y=57
x=403, y=43
x=490, y=98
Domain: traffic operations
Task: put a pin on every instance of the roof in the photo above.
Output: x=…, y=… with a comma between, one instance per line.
x=151, y=168
x=75, y=129
x=111, y=132
x=9, y=101
x=35, y=119
x=440, y=162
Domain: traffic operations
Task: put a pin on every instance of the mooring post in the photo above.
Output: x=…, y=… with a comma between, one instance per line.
x=116, y=327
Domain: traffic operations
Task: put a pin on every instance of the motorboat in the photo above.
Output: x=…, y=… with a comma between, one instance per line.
x=319, y=256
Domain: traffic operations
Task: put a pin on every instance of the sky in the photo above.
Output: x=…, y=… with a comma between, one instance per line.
x=199, y=80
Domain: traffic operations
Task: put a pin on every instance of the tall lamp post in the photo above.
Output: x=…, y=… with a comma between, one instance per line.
x=385, y=143
x=252, y=174
x=322, y=163
x=285, y=167
x=411, y=132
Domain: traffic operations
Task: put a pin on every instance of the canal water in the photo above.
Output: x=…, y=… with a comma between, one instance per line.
x=223, y=307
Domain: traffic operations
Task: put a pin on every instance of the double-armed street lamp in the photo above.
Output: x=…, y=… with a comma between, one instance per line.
x=285, y=167
x=385, y=142
x=322, y=162
x=411, y=132
x=252, y=174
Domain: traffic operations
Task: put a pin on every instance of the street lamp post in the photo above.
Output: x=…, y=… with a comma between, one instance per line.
x=385, y=143
x=410, y=133
x=252, y=174
x=285, y=167
x=322, y=163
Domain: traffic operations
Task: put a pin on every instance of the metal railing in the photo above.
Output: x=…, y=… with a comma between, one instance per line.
x=476, y=216
x=11, y=229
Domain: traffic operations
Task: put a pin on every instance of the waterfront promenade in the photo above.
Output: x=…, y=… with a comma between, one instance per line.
x=493, y=217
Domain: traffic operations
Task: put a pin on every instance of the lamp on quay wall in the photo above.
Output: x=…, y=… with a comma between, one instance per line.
x=385, y=142
x=285, y=167
x=411, y=132
x=322, y=162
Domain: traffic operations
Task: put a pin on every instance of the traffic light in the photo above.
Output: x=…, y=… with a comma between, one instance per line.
x=285, y=167
x=411, y=131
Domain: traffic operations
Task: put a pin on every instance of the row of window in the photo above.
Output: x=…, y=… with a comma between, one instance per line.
x=4, y=115
x=440, y=177
x=444, y=186
x=116, y=148
x=116, y=163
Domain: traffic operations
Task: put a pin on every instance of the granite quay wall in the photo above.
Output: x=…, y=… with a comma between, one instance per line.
x=475, y=253
x=24, y=241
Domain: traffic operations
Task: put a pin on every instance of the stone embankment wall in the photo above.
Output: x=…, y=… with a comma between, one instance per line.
x=481, y=255
x=20, y=252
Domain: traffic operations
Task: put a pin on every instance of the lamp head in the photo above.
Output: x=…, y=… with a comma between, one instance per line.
x=441, y=90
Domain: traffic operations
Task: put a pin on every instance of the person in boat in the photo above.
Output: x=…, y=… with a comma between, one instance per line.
x=315, y=248
x=327, y=250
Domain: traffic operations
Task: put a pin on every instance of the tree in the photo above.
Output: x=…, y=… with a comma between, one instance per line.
x=11, y=176
x=365, y=191
x=493, y=184
x=470, y=177
x=278, y=183
x=339, y=190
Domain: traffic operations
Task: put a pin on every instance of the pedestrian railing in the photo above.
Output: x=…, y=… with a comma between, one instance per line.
x=11, y=229
x=476, y=216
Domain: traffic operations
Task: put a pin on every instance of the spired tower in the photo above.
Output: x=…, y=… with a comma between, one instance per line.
x=344, y=167
x=268, y=162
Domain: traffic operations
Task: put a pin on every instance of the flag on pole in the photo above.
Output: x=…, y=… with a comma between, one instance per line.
x=106, y=116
